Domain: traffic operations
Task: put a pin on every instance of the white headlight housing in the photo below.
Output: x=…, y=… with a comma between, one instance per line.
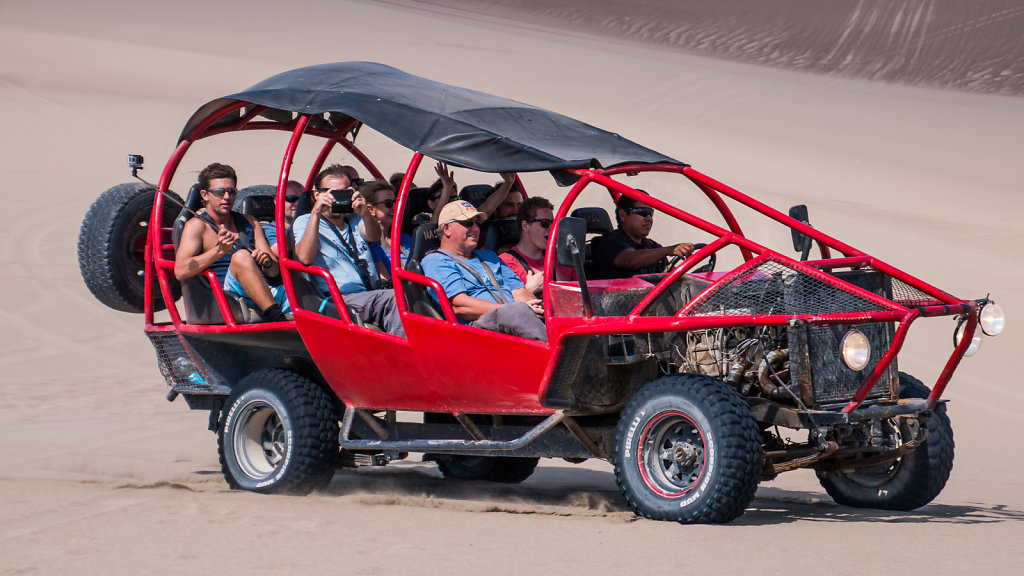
x=991, y=319
x=855, y=349
x=972, y=349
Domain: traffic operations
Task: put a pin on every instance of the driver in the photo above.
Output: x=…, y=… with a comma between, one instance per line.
x=628, y=251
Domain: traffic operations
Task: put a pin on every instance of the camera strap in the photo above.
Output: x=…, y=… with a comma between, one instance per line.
x=361, y=266
x=499, y=297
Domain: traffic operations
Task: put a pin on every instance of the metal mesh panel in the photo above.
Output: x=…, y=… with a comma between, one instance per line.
x=832, y=381
x=907, y=295
x=175, y=359
x=774, y=288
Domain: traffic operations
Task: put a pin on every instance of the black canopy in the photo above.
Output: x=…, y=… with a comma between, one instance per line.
x=461, y=127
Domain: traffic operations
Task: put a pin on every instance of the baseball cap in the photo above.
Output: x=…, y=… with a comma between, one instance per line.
x=460, y=210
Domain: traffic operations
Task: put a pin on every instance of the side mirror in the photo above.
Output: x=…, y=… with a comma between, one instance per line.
x=572, y=236
x=798, y=213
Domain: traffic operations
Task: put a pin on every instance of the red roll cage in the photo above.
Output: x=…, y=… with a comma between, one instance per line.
x=927, y=300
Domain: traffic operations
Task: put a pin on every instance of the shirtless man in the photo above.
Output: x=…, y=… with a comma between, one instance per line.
x=230, y=244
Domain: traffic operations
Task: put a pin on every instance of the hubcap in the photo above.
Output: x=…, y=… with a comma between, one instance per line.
x=672, y=454
x=260, y=441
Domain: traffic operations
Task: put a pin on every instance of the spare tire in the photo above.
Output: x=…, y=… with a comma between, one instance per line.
x=112, y=246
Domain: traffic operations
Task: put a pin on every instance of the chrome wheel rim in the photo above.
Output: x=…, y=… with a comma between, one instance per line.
x=260, y=441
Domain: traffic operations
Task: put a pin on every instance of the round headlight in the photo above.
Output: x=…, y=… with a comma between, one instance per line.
x=855, y=349
x=972, y=349
x=991, y=319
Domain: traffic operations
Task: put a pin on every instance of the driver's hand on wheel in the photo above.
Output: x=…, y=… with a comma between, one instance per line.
x=682, y=250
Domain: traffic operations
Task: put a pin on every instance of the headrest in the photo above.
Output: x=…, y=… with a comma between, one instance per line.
x=259, y=207
x=193, y=201
x=417, y=203
x=476, y=194
x=501, y=233
x=596, y=218
x=305, y=203
x=424, y=239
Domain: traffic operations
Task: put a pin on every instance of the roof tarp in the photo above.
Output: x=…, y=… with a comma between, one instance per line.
x=462, y=127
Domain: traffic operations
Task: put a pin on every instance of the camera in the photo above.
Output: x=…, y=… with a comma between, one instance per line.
x=342, y=202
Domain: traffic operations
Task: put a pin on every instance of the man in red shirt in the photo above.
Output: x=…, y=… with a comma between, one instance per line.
x=526, y=258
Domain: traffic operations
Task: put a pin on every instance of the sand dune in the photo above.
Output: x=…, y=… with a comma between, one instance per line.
x=973, y=46
x=102, y=475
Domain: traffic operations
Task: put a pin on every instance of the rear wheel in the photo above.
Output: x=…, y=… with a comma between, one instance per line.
x=278, y=434
x=688, y=449
x=112, y=247
x=508, y=470
x=908, y=482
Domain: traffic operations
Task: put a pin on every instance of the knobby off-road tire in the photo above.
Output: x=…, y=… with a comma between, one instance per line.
x=278, y=433
x=111, y=247
x=508, y=470
x=909, y=482
x=688, y=449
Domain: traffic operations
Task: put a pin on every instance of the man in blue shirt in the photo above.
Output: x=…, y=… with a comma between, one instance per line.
x=339, y=243
x=484, y=292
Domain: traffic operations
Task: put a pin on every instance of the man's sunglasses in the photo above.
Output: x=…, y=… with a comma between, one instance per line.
x=220, y=192
x=291, y=199
x=389, y=203
x=467, y=223
x=544, y=222
x=642, y=211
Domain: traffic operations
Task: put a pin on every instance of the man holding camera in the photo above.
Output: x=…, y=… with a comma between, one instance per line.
x=343, y=228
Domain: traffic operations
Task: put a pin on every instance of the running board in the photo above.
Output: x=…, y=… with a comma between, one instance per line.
x=421, y=445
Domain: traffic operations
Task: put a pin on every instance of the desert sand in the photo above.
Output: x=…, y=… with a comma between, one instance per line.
x=917, y=162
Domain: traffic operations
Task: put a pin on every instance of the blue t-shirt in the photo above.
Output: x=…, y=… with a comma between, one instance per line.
x=270, y=231
x=382, y=255
x=457, y=280
x=334, y=256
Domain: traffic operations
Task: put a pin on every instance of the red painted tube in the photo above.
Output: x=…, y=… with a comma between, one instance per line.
x=954, y=359
x=883, y=364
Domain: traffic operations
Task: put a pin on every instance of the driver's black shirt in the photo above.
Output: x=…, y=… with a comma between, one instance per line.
x=610, y=245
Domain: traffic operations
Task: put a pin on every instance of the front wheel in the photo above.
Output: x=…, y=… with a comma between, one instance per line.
x=688, y=449
x=278, y=434
x=905, y=483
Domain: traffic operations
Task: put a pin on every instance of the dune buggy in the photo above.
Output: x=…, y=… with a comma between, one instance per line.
x=695, y=383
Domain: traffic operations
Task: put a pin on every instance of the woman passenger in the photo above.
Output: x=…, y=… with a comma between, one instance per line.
x=380, y=199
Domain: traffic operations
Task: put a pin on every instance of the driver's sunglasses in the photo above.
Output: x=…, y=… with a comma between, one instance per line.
x=643, y=212
x=220, y=192
x=467, y=223
x=291, y=199
x=544, y=222
x=389, y=203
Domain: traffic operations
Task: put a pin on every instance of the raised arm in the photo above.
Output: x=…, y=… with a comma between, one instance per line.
x=490, y=205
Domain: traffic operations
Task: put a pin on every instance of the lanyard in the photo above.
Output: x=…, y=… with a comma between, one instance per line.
x=361, y=266
x=499, y=297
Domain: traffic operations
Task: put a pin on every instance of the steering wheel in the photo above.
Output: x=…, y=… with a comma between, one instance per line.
x=709, y=267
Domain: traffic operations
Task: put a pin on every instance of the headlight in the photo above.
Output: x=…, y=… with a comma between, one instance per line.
x=855, y=349
x=975, y=341
x=991, y=319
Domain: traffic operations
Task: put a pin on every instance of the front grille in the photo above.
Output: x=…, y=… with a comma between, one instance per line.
x=178, y=364
x=815, y=359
